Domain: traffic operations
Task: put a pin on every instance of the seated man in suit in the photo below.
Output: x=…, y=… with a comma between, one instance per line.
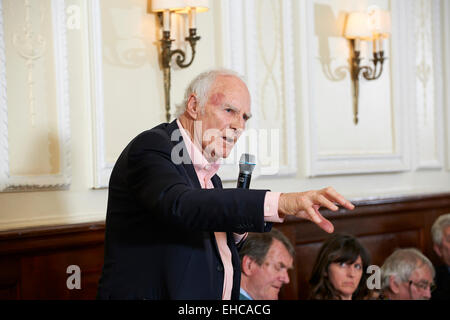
x=171, y=230
x=440, y=231
x=266, y=259
x=407, y=275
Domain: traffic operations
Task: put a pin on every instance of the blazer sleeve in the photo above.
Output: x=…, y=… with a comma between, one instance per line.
x=162, y=189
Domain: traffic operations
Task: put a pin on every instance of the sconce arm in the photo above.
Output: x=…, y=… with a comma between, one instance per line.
x=375, y=73
x=181, y=55
x=368, y=72
x=167, y=55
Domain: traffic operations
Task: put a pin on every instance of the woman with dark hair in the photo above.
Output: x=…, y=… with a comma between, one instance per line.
x=339, y=272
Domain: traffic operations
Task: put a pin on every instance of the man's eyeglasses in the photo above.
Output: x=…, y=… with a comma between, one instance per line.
x=423, y=285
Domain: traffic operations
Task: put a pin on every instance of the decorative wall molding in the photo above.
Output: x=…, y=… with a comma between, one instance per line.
x=31, y=46
x=102, y=168
x=241, y=36
x=4, y=156
x=61, y=180
x=445, y=18
x=401, y=46
x=428, y=120
x=289, y=88
x=439, y=80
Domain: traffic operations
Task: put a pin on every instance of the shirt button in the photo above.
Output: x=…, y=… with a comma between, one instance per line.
x=267, y=208
x=207, y=167
x=219, y=268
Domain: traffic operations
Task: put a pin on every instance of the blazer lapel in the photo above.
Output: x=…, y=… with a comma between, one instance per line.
x=189, y=167
x=217, y=183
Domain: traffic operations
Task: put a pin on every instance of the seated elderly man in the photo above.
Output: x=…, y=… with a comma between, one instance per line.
x=265, y=261
x=440, y=232
x=407, y=275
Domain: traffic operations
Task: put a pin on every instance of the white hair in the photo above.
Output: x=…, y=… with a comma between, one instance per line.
x=201, y=85
x=438, y=228
x=401, y=264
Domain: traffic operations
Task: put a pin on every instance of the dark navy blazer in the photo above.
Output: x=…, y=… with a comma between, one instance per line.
x=160, y=224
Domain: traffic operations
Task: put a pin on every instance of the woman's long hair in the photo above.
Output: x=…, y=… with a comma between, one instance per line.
x=337, y=249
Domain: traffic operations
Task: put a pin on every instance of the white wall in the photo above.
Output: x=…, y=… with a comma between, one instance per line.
x=68, y=107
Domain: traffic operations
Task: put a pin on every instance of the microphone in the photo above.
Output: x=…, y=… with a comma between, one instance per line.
x=246, y=166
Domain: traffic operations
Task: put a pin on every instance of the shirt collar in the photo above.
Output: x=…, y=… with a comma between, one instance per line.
x=198, y=159
x=244, y=293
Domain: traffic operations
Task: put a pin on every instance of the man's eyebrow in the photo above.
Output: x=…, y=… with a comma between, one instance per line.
x=246, y=115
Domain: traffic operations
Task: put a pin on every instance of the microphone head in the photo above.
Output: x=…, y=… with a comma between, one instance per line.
x=247, y=163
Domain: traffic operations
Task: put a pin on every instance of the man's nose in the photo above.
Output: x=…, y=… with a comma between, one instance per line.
x=238, y=123
x=427, y=293
x=285, y=277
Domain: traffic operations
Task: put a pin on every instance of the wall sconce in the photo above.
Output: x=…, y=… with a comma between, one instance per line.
x=373, y=26
x=165, y=8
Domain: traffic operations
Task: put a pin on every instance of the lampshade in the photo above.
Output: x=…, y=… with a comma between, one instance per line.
x=380, y=23
x=173, y=5
x=358, y=26
x=201, y=5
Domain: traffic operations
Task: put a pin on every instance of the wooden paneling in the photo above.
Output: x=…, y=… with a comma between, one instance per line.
x=33, y=262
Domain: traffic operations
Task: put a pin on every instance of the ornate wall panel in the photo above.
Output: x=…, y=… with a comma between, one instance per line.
x=428, y=77
x=259, y=38
x=34, y=108
x=335, y=144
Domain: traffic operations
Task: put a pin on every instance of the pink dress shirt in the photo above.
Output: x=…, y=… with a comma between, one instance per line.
x=205, y=171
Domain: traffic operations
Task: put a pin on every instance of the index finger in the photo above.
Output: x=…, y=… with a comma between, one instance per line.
x=339, y=198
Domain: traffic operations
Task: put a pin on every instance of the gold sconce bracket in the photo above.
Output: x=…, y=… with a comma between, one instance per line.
x=375, y=25
x=369, y=73
x=167, y=54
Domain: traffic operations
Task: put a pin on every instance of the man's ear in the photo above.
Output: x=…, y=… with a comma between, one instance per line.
x=193, y=108
x=395, y=287
x=437, y=250
x=247, y=265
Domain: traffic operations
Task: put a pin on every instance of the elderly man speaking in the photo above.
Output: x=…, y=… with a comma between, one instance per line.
x=172, y=232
